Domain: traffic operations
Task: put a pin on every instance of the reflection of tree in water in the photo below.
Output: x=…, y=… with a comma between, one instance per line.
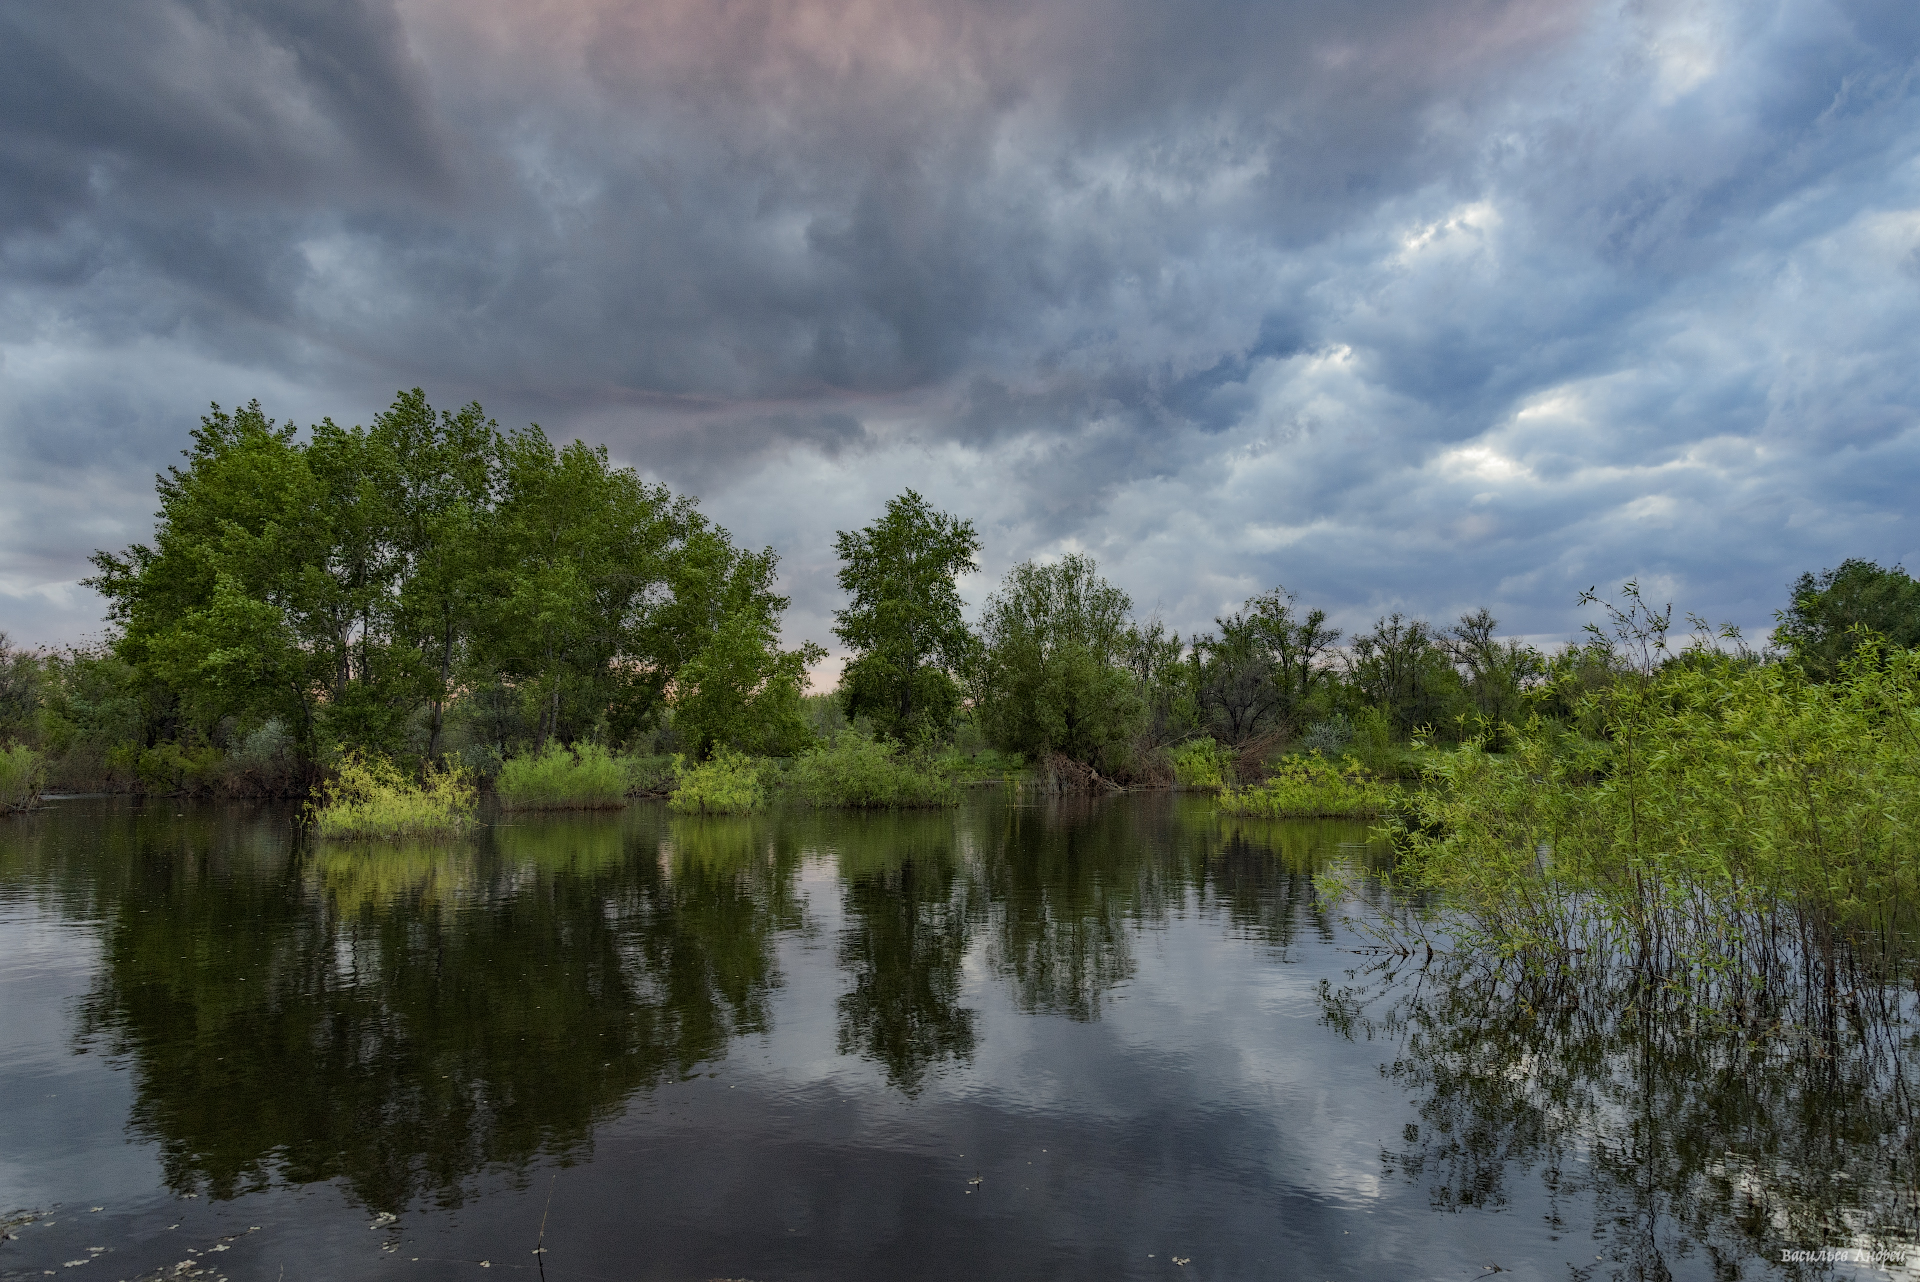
x=309, y=1019
x=907, y=935
x=1068, y=882
x=1259, y=872
x=1687, y=1137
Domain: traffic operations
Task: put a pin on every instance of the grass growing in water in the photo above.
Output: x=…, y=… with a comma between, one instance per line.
x=1312, y=787
x=587, y=778
x=23, y=775
x=369, y=799
x=857, y=772
x=729, y=784
x=1202, y=763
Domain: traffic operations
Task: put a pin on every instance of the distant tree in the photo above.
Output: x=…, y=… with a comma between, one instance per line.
x=20, y=689
x=1400, y=670
x=903, y=619
x=1300, y=643
x=1054, y=674
x=1829, y=614
x=1498, y=674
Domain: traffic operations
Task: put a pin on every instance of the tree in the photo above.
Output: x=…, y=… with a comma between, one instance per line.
x=1829, y=614
x=1400, y=669
x=903, y=620
x=1054, y=674
x=735, y=686
x=1498, y=674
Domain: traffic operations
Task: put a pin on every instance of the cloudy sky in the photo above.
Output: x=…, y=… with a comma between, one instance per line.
x=1404, y=304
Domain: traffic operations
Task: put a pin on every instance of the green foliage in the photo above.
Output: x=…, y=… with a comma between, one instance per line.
x=1402, y=670
x=648, y=775
x=23, y=776
x=858, y=772
x=586, y=778
x=369, y=799
x=1830, y=614
x=738, y=689
x=903, y=619
x=1737, y=822
x=979, y=763
x=728, y=783
x=356, y=585
x=1054, y=674
x=1202, y=763
x=1312, y=787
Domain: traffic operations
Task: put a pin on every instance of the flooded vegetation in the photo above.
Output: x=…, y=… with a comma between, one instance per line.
x=1023, y=1037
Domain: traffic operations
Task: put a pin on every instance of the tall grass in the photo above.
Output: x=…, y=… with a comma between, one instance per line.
x=1202, y=764
x=1742, y=832
x=728, y=784
x=369, y=799
x=857, y=772
x=23, y=776
x=1312, y=787
x=586, y=778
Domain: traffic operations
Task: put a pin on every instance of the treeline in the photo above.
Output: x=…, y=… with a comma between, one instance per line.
x=430, y=586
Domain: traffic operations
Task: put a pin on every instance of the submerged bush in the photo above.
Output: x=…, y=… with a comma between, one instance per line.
x=587, y=778
x=729, y=784
x=1312, y=787
x=1739, y=827
x=1202, y=763
x=862, y=773
x=368, y=798
x=23, y=775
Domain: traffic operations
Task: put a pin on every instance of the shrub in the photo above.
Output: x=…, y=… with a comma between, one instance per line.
x=368, y=798
x=649, y=775
x=729, y=784
x=1202, y=763
x=588, y=778
x=862, y=773
x=23, y=774
x=1312, y=787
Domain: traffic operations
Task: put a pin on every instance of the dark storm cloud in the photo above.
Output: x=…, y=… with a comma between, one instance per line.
x=1406, y=304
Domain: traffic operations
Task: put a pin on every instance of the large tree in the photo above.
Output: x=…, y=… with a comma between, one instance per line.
x=1055, y=674
x=1830, y=613
x=903, y=617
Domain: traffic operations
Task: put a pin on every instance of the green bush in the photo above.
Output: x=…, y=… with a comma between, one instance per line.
x=649, y=775
x=862, y=773
x=1312, y=787
x=1202, y=763
x=729, y=784
x=368, y=798
x=587, y=778
x=979, y=764
x=23, y=774
x=1738, y=825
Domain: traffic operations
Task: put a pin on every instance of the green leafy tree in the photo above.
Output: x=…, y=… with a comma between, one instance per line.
x=903, y=621
x=1830, y=614
x=1054, y=676
x=1401, y=671
x=736, y=687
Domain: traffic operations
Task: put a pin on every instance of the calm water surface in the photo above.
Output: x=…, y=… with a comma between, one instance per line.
x=1121, y=1039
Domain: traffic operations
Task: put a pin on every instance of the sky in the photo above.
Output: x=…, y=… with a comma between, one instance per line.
x=1405, y=305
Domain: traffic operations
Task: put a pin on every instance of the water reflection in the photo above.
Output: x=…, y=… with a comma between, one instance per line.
x=910, y=914
x=404, y=1018
x=1683, y=1141
x=401, y=1020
